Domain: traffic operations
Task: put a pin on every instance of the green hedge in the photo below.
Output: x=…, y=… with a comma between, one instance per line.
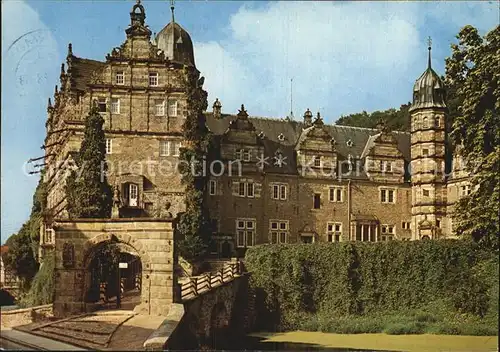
x=371, y=287
x=43, y=285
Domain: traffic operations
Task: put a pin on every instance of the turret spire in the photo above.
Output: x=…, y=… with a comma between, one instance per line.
x=172, y=8
x=429, y=44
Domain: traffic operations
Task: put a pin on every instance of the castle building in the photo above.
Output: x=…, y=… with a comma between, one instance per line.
x=276, y=180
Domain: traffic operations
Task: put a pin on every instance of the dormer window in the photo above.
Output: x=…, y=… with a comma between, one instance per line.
x=317, y=161
x=349, y=143
x=243, y=154
x=153, y=79
x=120, y=78
x=281, y=137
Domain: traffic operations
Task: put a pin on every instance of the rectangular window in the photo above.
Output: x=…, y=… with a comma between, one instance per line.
x=246, y=155
x=278, y=231
x=405, y=225
x=164, y=148
x=387, y=195
x=425, y=192
x=245, y=232
x=283, y=192
x=279, y=191
x=115, y=105
x=317, y=201
x=109, y=146
x=242, y=190
x=120, y=78
x=172, y=107
x=387, y=229
x=101, y=104
x=438, y=223
x=159, y=107
x=250, y=190
x=465, y=190
x=213, y=187
x=425, y=151
x=176, y=148
x=317, y=161
x=335, y=194
x=334, y=231
x=153, y=79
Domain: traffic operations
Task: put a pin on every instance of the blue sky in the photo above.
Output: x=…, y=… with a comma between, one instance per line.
x=344, y=57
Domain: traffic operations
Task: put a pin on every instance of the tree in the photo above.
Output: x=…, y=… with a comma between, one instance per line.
x=472, y=77
x=193, y=223
x=21, y=258
x=395, y=119
x=88, y=193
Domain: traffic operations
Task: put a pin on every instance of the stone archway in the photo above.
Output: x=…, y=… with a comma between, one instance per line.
x=122, y=287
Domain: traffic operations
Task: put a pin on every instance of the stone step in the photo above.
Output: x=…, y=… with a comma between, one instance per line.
x=77, y=335
x=72, y=341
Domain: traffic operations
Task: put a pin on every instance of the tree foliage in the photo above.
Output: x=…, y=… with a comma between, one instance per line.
x=395, y=119
x=88, y=193
x=43, y=286
x=193, y=223
x=297, y=284
x=21, y=258
x=472, y=77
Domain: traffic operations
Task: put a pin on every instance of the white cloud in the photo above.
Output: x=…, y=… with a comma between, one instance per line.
x=338, y=53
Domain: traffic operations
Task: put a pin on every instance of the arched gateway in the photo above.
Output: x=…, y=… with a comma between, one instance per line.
x=145, y=279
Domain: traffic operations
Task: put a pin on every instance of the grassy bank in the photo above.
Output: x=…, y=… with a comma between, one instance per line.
x=301, y=340
x=435, y=287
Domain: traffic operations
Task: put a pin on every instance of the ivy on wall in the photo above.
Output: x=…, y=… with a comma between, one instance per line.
x=193, y=223
x=297, y=283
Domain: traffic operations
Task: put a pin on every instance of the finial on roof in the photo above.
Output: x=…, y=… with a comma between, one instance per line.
x=56, y=90
x=308, y=118
x=217, y=108
x=62, y=68
x=70, y=49
x=172, y=8
x=318, y=121
x=242, y=112
x=429, y=47
x=138, y=15
x=49, y=105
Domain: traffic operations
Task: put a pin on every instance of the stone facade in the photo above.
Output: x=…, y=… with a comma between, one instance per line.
x=289, y=181
x=150, y=240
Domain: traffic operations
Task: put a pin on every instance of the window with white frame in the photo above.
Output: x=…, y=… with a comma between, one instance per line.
x=245, y=232
x=336, y=194
x=172, y=107
x=47, y=234
x=243, y=154
x=159, y=107
x=317, y=161
x=405, y=225
x=102, y=104
x=120, y=78
x=212, y=186
x=465, y=190
x=170, y=148
x=385, y=166
x=164, y=148
x=279, y=191
x=115, y=105
x=153, y=79
x=250, y=189
x=278, y=231
x=334, y=231
x=245, y=189
x=387, y=195
x=109, y=146
x=387, y=232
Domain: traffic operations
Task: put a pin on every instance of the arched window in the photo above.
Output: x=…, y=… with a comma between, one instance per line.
x=425, y=123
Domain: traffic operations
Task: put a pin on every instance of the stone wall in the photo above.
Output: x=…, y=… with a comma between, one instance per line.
x=149, y=239
x=25, y=316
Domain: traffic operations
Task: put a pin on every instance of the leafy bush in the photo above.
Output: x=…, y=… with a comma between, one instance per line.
x=398, y=287
x=42, y=287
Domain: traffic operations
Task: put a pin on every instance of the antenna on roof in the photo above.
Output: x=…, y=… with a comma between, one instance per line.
x=290, y=117
x=429, y=47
